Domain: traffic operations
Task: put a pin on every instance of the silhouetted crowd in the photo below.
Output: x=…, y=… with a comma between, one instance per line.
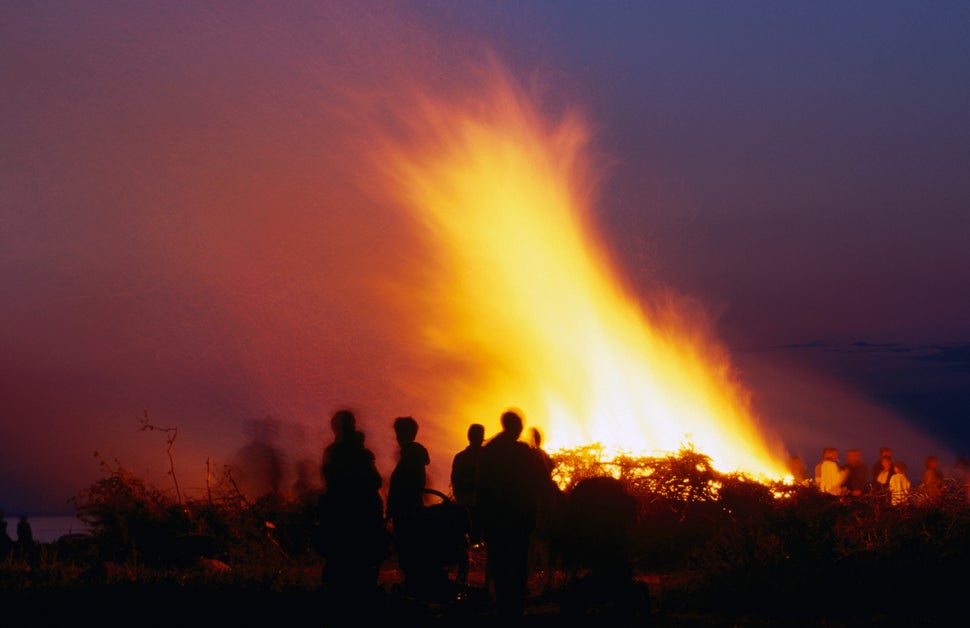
x=502, y=492
x=25, y=547
x=887, y=481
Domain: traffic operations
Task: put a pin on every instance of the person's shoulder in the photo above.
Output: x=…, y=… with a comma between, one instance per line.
x=493, y=449
x=492, y=444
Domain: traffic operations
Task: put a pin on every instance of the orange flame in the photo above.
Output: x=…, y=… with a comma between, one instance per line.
x=520, y=306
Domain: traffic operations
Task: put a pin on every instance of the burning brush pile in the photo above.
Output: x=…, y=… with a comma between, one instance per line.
x=731, y=543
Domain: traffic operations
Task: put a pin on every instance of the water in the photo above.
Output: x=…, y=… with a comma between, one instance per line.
x=48, y=529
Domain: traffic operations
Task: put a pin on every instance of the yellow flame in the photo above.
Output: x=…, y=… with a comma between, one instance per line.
x=524, y=309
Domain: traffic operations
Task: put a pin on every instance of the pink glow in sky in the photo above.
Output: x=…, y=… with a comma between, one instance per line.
x=185, y=228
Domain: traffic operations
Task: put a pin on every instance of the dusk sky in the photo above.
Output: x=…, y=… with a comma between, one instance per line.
x=183, y=231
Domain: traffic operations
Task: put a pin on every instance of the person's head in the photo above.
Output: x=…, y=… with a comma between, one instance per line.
x=476, y=433
x=830, y=453
x=405, y=429
x=536, y=437
x=512, y=423
x=885, y=451
x=932, y=462
x=853, y=456
x=343, y=423
x=886, y=461
x=899, y=466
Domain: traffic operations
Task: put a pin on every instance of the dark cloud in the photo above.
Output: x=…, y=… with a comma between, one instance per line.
x=952, y=357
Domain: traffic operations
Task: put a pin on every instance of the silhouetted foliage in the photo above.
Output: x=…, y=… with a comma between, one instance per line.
x=134, y=523
x=718, y=544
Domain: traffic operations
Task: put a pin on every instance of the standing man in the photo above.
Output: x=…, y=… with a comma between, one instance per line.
x=464, y=479
x=405, y=503
x=509, y=482
x=350, y=518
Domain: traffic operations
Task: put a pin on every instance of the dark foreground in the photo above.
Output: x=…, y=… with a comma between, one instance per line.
x=167, y=605
x=652, y=600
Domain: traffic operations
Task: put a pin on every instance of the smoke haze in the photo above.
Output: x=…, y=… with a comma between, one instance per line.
x=188, y=229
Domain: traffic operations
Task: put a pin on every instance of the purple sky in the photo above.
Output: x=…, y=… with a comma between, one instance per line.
x=177, y=235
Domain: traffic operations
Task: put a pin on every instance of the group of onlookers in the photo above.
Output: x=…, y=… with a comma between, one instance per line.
x=501, y=481
x=887, y=479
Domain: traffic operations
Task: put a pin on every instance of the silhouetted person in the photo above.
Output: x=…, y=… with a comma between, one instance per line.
x=258, y=466
x=508, y=495
x=597, y=536
x=6, y=543
x=405, y=503
x=963, y=468
x=25, y=539
x=931, y=487
x=549, y=496
x=857, y=476
x=464, y=478
x=881, y=477
x=350, y=515
x=545, y=460
x=879, y=467
x=303, y=482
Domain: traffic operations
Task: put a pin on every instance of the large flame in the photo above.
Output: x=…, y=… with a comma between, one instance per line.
x=520, y=305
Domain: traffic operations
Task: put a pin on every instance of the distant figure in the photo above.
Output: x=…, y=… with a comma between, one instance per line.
x=350, y=515
x=963, y=465
x=832, y=477
x=464, y=479
x=258, y=465
x=405, y=502
x=25, y=540
x=879, y=468
x=6, y=543
x=508, y=497
x=857, y=475
x=931, y=487
x=304, y=483
x=797, y=469
x=899, y=484
x=880, y=479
